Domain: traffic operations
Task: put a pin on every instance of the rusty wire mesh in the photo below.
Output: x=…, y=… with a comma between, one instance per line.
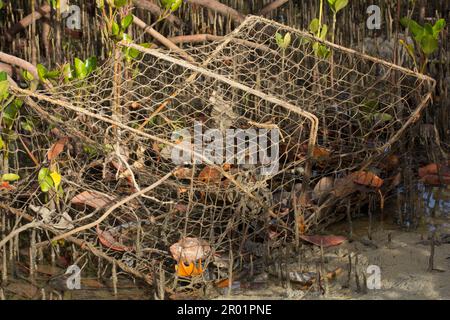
x=336, y=116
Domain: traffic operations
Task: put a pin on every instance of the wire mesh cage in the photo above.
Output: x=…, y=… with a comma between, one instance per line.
x=211, y=162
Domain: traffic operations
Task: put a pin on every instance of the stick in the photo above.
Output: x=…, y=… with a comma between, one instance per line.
x=29, y=19
x=83, y=245
x=160, y=38
x=154, y=9
x=12, y=234
x=15, y=61
x=271, y=6
x=111, y=209
x=220, y=8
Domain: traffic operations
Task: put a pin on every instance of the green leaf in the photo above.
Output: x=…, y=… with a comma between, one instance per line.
x=175, y=5
x=415, y=28
x=4, y=87
x=80, y=69
x=68, y=72
x=321, y=50
x=429, y=44
x=380, y=117
x=134, y=53
x=120, y=3
x=283, y=42
x=323, y=32
x=3, y=76
x=27, y=75
x=428, y=28
x=1, y=4
x=339, y=5
x=100, y=4
x=2, y=143
x=146, y=45
x=287, y=40
x=438, y=27
x=280, y=40
x=125, y=23
x=91, y=64
x=54, y=74
x=27, y=125
x=314, y=26
x=10, y=177
x=10, y=112
x=115, y=29
x=42, y=72
x=45, y=180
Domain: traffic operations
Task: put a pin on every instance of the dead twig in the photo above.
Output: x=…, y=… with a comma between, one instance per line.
x=271, y=7
x=114, y=207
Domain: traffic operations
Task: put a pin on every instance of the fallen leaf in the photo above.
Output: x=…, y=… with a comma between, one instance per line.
x=301, y=224
x=210, y=175
x=92, y=199
x=57, y=148
x=367, y=178
x=181, y=208
x=182, y=190
x=183, y=173
x=44, y=212
x=223, y=283
x=324, y=186
x=391, y=162
x=6, y=186
x=325, y=241
x=435, y=180
x=108, y=240
x=320, y=153
x=434, y=169
x=65, y=223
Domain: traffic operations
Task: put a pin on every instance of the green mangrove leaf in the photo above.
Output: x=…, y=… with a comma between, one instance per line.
x=27, y=125
x=127, y=21
x=4, y=87
x=429, y=44
x=42, y=72
x=10, y=112
x=27, y=75
x=314, y=26
x=45, y=180
x=323, y=32
x=91, y=64
x=10, y=177
x=287, y=40
x=279, y=39
x=415, y=28
x=54, y=74
x=120, y=3
x=68, y=72
x=80, y=69
x=379, y=117
x=438, y=27
x=100, y=4
x=339, y=5
x=115, y=29
x=428, y=28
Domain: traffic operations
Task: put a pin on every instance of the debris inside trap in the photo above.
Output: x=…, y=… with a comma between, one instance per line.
x=183, y=174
